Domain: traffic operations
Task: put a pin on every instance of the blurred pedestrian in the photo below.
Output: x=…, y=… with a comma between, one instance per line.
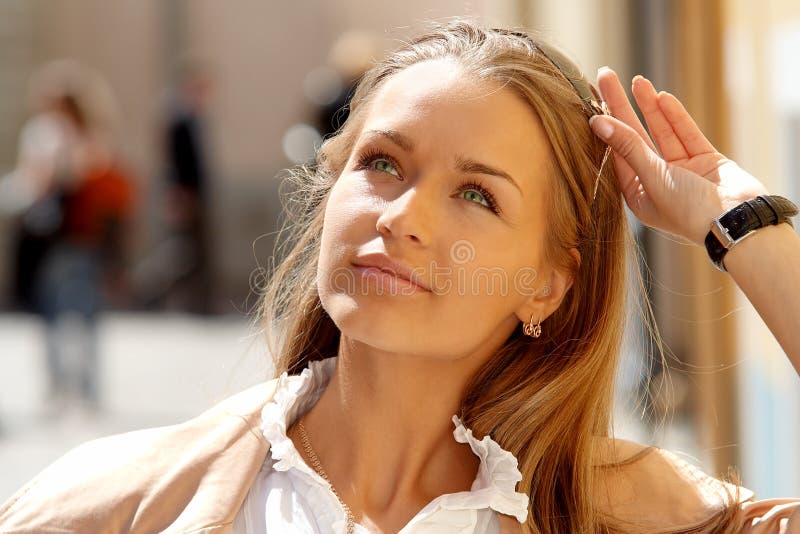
x=331, y=86
x=186, y=152
x=73, y=200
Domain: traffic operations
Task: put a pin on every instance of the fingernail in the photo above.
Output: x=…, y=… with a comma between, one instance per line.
x=604, y=67
x=604, y=128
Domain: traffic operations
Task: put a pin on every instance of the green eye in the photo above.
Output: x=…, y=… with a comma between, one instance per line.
x=476, y=192
x=378, y=160
x=473, y=195
x=384, y=165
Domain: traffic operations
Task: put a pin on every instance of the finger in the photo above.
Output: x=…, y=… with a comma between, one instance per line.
x=660, y=128
x=618, y=103
x=793, y=524
x=625, y=173
x=619, y=106
x=683, y=125
x=627, y=143
x=630, y=185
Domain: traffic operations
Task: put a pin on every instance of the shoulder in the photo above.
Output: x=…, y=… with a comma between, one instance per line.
x=247, y=403
x=110, y=481
x=653, y=487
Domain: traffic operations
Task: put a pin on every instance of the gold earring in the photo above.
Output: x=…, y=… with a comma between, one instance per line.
x=532, y=330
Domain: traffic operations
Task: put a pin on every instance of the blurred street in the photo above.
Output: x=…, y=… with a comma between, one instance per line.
x=155, y=370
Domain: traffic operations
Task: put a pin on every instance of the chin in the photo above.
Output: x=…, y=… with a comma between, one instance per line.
x=372, y=323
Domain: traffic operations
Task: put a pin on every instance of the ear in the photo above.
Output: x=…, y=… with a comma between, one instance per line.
x=548, y=296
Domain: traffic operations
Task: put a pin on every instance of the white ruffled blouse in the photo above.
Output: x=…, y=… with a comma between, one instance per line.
x=288, y=496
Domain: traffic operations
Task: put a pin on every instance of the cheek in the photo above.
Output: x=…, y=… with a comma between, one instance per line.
x=487, y=293
x=351, y=213
x=345, y=226
x=347, y=202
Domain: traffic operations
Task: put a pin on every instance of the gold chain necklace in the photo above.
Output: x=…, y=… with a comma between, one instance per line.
x=318, y=468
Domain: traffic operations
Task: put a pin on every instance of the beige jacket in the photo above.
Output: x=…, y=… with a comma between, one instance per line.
x=193, y=477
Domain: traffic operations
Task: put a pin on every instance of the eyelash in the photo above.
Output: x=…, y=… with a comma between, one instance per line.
x=469, y=184
x=372, y=154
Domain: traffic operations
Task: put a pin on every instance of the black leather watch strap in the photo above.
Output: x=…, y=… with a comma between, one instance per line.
x=738, y=222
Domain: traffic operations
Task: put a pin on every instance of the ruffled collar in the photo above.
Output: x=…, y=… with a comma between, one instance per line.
x=494, y=486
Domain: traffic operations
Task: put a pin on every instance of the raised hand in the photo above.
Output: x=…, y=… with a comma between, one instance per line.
x=677, y=181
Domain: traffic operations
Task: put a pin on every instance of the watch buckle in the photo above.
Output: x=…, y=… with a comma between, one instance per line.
x=721, y=233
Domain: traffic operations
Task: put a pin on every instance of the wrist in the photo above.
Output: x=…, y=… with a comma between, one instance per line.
x=715, y=208
x=723, y=206
x=752, y=247
x=742, y=221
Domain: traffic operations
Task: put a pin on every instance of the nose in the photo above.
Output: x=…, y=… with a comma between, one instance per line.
x=410, y=215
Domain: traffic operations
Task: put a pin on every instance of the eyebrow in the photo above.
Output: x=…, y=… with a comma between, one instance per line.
x=469, y=166
x=465, y=165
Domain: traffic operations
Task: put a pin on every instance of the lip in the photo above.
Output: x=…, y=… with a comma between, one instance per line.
x=387, y=264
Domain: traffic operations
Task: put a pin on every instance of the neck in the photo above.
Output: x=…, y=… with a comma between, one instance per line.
x=383, y=428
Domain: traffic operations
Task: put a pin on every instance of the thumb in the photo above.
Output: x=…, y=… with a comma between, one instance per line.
x=628, y=144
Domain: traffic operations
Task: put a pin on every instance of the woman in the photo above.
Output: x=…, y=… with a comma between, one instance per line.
x=467, y=160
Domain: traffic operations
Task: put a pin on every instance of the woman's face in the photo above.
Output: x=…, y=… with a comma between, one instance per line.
x=448, y=176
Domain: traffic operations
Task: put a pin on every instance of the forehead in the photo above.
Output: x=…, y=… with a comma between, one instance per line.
x=444, y=108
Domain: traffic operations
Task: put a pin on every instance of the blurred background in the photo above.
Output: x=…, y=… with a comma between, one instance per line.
x=141, y=143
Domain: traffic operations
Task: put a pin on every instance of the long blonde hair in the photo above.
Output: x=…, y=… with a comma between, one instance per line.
x=545, y=400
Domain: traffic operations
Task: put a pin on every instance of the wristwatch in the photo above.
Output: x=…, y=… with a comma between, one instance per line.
x=743, y=220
